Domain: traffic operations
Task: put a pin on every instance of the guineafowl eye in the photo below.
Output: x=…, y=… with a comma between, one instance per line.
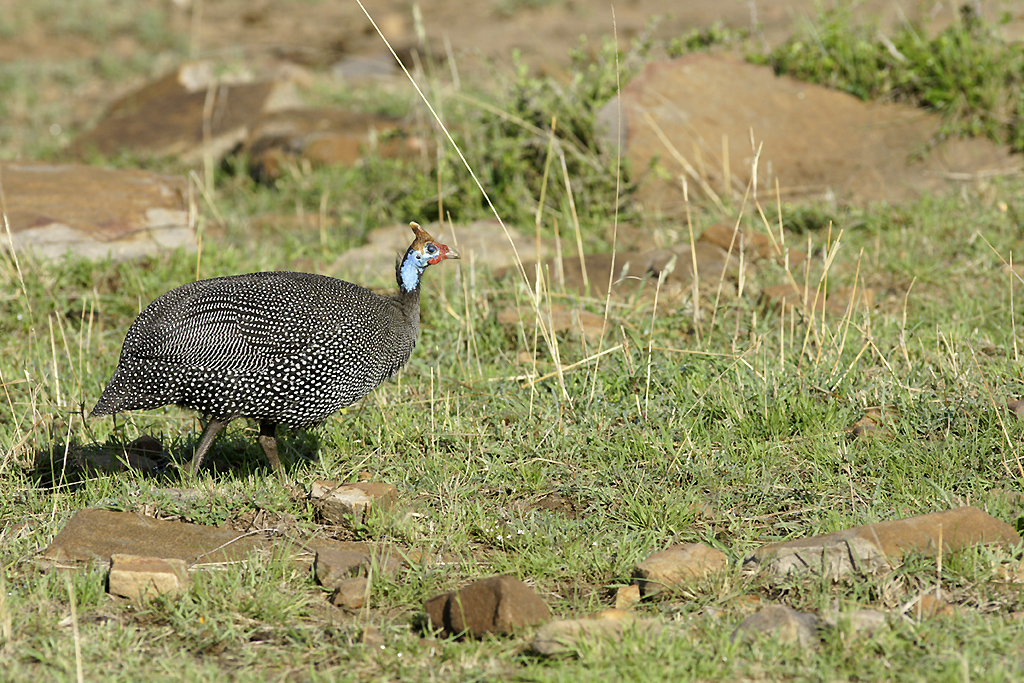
x=277, y=347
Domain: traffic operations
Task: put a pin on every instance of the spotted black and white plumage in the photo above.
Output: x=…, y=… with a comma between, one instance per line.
x=278, y=347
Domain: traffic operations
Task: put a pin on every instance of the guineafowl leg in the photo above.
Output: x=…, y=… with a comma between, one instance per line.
x=268, y=441
x=210, y=431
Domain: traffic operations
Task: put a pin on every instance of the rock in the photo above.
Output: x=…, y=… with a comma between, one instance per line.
x=755, y=246
x=372, y=638
x=96, y=535
x=677, y=566
x=92, y=212
x=350, y=503
x=679, y=112
x=559, y=318
x=839, y=302
x=873, y=421
x=334, y=566
x=190, y=113
x=627, y=596
x=327, y=137
x=864, y=622
x=1016, y=406
x=500, y=604
x=871, y=548
x=142, y=578
x=635, y=273
x=350, y=593
x=928, y=606
x=781, y=623
x=566, y=636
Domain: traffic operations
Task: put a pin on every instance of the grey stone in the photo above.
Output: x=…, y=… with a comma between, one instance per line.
x=876, y=547
x=782, y=623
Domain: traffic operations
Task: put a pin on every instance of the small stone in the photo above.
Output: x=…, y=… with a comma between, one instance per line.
x=871, y=548
x=566, y=636
x=614, y=614
x=677, y=566
x=142, y=578
x=339, y=503
x=333, y=566
x=873, y=422
x=865, y=622
x=1016, y=406
x=627, y=596
x=927, y=606
x=500, y=604
x=372, y=638
x=784, y=624
x=350, y=593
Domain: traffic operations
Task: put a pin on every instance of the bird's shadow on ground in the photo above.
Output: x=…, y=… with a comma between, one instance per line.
x=69, y=465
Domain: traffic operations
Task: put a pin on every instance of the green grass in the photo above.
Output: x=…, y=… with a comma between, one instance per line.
x=717, y=420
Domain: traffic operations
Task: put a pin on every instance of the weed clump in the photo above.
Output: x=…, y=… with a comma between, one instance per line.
x=966, y=72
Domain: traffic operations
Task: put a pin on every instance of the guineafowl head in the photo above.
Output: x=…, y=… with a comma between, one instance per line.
x=423, y=252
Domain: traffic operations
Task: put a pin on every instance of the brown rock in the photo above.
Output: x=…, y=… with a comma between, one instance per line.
x=755, y=246
x=627, y=596
x=782, y=623
x=350, y=593
x=865, y=622
x=326, y=137
x=873, y=421
x=96, y=535
x=566, y=636
x=142, y=578
x=500, y=604
x=560, y=319
x=333, y=566
x=679, y=112
x=636, y=273
x=839, y=302
x=676, y=566
x=875, y=547
x=189, y=112
x=1016, y=406
x=54, y=209
x=928, y=606
x=339, y=503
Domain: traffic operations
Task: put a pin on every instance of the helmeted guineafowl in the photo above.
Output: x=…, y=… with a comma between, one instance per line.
x=279, y=347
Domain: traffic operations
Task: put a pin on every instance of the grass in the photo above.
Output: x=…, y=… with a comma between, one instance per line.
x=717, y=420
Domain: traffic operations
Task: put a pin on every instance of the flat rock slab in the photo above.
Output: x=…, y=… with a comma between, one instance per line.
x=817, y=142
x=499, y=604
x=566, y=636
x=56, y=209
x=96, y=535
x=189, y=112
x=876, y=547
x=676, y=566
x=139, y=578
x=781, y=623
